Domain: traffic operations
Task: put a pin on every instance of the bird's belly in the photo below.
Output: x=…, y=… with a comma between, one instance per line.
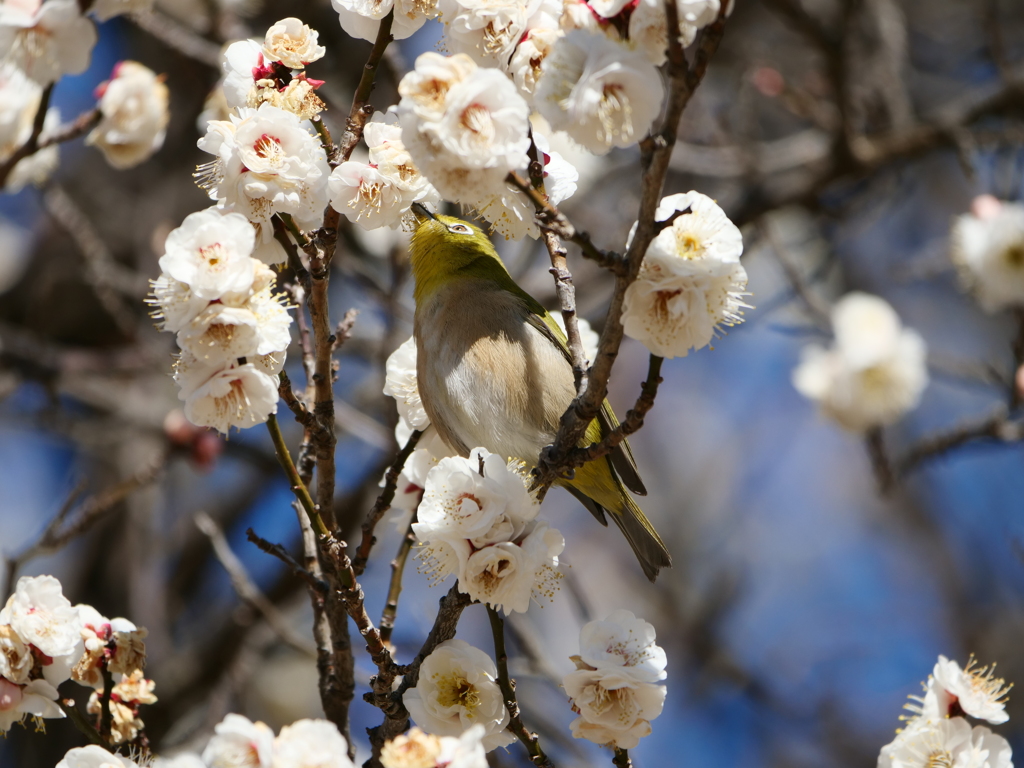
x=503, y=390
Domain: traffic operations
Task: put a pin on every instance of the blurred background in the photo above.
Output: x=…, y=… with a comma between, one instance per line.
x=843, y=136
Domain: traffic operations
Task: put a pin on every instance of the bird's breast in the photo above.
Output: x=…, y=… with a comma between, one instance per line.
x=486, y=376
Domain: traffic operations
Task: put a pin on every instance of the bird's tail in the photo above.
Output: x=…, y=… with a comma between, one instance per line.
x=650, y=550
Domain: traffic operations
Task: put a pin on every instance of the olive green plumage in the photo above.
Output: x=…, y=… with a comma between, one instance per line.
x=494, y=371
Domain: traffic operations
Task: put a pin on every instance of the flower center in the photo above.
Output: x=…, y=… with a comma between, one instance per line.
x=1014, y=255
x=457, y=691
x=213, y=254
x=268, y=147
x=614, y=113
x=476, y=119
x=661, y=302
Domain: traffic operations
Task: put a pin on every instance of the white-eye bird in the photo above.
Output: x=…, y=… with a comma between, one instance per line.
x=494, y=371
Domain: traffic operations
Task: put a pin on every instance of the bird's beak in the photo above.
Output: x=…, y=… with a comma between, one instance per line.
x=421, y=213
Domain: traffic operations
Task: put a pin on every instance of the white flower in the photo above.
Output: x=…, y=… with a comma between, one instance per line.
x=53, y=41
x=219, y=335
x=266, y=163
x=210, y=253
x=38, y=699
x=42, y=617
x=239, y=743
x=400, y=383
x=240, y=396
x=691, y=281
x=21, y=97
x=487, y=30
x=361, y=18
x=129, y=649
x=241, y=58
x=16, y=660
x=293, y=44
x=951, y=741
x=875, y=372
x=94, y=756
x=134, y=118
x=974, y=691
x=624, y=643
x=37, y=168
x=108, y=9
x=648, y=26
x=461, y=503
x=417, y=749
x=457, y=688
x=179, y=761
x=588, y=336
x=988, y=248
x=175, y=304
x=598, y=91
x=506, y=575
x=525, y=64
x=465, y=127
x=311, y=744
x=273, y=323
x=613, y=709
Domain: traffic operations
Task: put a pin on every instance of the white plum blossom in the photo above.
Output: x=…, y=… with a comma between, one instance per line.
x=507, y=575
x=488, y=30
x=42, y=617
x=16, y=660
x=624, y=643
x=600, y=92
x=104, y=10
x=361, y=18
x=240, y=396
x=648, y=25
x=292, y=43
x=873, y=374
x=972, y=690
x=220, y=334
x=400, y=382
x=691, y=281
x=239, y=61
x=133, y=105
x=612, y=690
x=267, y=163
x=211, y=253
x=987, y=245
x=53, y=40
x=175, y=305
x=37, y=698
x=94, y=756
x=926, y=743
x=612, y=708
x=457, y=688
x=21, y=97
x=240, y=743
x=311, y=744
x=417, y=749
x=528, y=58
x=465, y=127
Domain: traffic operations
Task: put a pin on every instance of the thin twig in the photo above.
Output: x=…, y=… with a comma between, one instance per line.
x=106, y=713
x=621, y=759
x=298, y=487
x=32, y=142
x=508, y=690
x=361, y=110
x=81, y=722
x=343, y=331
x=390, y=612
x=880, y=464
x=996, y=428
x=247, y=589
x=276, y=550
x=383, y=503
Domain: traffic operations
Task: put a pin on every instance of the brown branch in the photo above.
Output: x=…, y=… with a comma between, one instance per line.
x=32, y=142
x=993, y=428
x=508, y=690
x=621, y=759
x=361, y=110
x=343, y=331
x=81, y=722
x=276, y=550
x=246, y=588
x=656, y=150
x=383, y=503
x=632, y=423
x=390, y=612
x=81, y=125
x=296, y=406
x=880, y=463
x=297, y=486
x=566, y=292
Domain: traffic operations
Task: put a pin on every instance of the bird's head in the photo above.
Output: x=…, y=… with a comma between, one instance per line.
x=443, y=249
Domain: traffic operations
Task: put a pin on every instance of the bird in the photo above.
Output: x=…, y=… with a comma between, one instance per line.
x=494, y=371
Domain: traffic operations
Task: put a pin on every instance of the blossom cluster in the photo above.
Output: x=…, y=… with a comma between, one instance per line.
x=987, y=246
x=45, y=641
x=875, y=371
x=267, y=160
x=939, y=733
x=691, y=281
x=417, y=749
x=42, y=41
x=477, y=520
x=613, y=689
x=232, y=328
x=457, y=691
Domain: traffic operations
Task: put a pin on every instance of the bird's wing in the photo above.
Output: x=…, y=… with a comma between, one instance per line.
x=622, y=457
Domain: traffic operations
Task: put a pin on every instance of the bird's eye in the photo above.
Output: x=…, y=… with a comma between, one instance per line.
x=460, y=229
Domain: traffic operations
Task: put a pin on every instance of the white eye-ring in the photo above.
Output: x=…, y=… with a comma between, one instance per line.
x=460, y=229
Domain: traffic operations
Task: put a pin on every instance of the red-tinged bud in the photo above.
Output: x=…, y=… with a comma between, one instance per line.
x=313, y=83
x=768, y=81
x=986, y=207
